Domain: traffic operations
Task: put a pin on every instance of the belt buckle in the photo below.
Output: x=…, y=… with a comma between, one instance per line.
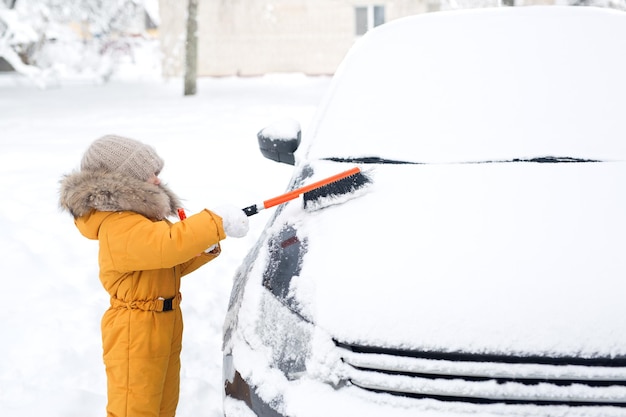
x=167, y=304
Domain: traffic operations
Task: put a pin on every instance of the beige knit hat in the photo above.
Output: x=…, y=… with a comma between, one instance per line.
x=118, y=154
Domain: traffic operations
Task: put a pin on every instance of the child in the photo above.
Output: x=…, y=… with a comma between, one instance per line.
x=118, y=199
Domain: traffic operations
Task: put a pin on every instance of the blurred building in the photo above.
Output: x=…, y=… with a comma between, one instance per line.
x=253, y=37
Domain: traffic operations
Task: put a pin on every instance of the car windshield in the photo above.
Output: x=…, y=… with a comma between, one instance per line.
x=403, y=97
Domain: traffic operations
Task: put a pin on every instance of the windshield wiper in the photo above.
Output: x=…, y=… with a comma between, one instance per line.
x=538, y=159
x=553, y=159
x=370, y=160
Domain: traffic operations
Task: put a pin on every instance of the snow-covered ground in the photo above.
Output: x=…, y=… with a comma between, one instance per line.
x=52, y=300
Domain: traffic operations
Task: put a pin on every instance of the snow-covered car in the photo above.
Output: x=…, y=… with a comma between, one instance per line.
x=482, y=269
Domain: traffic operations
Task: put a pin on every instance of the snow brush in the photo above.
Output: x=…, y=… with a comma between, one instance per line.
x=339, y=184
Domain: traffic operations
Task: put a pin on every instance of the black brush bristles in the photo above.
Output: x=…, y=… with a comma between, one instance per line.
x=336, y=189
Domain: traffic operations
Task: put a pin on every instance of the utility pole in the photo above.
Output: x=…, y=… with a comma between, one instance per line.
x=191, y=48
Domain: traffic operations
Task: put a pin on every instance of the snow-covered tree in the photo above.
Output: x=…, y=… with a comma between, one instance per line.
x=16, y=39
x=47, y=39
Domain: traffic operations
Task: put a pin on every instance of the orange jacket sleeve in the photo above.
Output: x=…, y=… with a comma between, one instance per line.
x=134, y=243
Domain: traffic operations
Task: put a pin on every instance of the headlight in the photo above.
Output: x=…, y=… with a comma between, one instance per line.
x=280, y=327
x=287, y=335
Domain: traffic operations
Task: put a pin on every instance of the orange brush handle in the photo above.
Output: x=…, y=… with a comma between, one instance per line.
x=298, y=191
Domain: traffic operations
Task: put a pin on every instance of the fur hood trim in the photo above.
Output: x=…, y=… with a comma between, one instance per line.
x=84, y=191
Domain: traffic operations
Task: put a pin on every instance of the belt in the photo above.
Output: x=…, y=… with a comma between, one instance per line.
x=160, y=304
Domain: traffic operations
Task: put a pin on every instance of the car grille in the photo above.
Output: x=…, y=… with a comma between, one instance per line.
x=488, y=379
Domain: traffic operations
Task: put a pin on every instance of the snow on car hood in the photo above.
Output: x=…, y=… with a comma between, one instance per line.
x=517, y=258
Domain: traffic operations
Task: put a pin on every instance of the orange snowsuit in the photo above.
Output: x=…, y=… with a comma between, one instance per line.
x=141, y=263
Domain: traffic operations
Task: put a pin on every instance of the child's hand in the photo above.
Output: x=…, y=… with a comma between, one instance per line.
x=234, y=219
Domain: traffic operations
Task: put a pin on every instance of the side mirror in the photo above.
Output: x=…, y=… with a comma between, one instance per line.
x=280, y=140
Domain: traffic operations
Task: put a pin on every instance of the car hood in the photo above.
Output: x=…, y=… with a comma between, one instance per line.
x=517, y=258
